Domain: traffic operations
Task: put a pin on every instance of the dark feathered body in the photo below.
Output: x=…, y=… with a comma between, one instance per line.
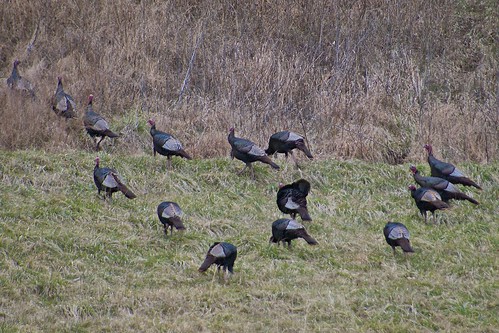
x=62, y=103
x=285, y=230
x=109, y=181
x=285, y=141
x=446, y=189
x=95, y=124
x=247, y=151
x=396, y=234
x=165, y=144
x=223, y=255
x=170, y=215
x=426, y=200
x=447, y=170
x=292, y=199
x=16, y=82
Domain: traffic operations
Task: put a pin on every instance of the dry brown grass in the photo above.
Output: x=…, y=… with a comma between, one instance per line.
x=363, y=79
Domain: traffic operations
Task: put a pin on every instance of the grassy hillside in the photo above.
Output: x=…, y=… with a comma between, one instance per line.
x=71, y=262
x=377, y=78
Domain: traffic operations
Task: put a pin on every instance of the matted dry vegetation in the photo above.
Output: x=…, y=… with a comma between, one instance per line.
x=361, y=79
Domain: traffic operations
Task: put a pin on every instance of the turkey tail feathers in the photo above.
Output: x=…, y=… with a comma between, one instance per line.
x=473, y=201
x=184, y=154
x=110, y=133
x=309, y=239
x=405, y=245
x=267, y=160
x=304, y=214
x=177, y=222
x=273, y=165
x=439, y=204
x=122, y=187
x=465, y=181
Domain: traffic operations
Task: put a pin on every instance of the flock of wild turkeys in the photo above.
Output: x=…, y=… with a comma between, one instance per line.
x=434, y=193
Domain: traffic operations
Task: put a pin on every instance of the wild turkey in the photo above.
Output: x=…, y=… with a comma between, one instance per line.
x=248, y=152
x=170, y=215
x=223, y=255
x=284, y=142
x=447, y=170
x=165, y=144
x=396, y=234
x=95, y=124
x=446, y=189
x=16, y=82
x=292, y=199
x=427, y=200
x=63, y=104
x=109, y=181
x=285, y=230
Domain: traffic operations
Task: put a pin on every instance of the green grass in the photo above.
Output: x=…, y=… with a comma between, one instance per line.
x=71, y=262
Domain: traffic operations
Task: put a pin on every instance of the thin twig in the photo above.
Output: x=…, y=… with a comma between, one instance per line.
x=31, y=43
x=191, y=62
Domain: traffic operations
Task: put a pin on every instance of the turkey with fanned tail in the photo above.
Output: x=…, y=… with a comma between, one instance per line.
x=292, y=199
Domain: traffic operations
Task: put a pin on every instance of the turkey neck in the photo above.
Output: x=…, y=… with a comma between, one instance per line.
x=231, y=137
x=418, y=178
x=153, y=130
x=430, y=156
x=59, y=88
x=90, y=108
x=15, y=73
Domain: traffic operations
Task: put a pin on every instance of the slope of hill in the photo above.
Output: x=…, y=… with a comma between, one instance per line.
x=71, y=262
x=376, y=78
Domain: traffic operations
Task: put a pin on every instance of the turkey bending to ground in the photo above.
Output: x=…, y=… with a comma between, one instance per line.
x=446, y=189
x=95, y=124
x=292, y=199
x=17, y=82
x=63, y=104
x=109, y=181
x=285, y=230
x=170, y=215
x=447, y=171
x=165, y=144
x=427, y=199
x=223, y=255
x=284, y=142
x=248, y=152
x=396, y=234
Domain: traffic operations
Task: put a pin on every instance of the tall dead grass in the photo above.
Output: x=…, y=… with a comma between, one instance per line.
x=361, y=79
